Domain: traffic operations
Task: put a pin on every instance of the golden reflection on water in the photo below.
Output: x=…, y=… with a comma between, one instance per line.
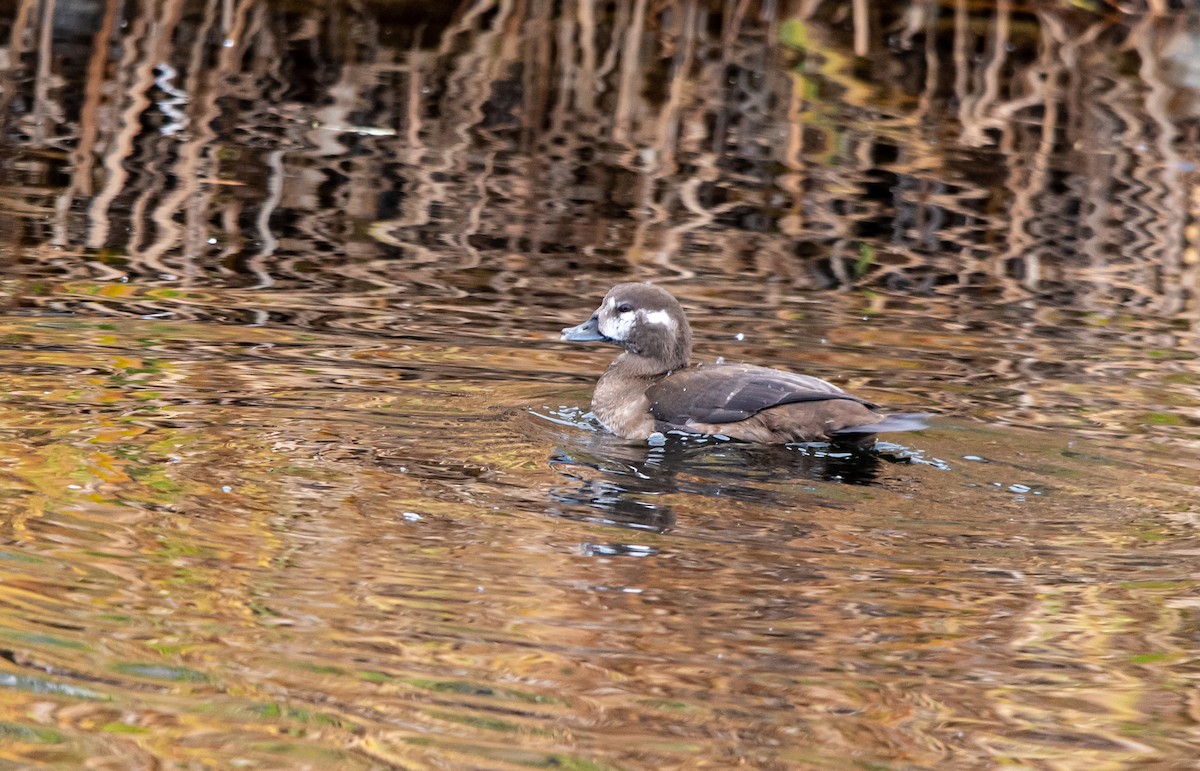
x=294, y=474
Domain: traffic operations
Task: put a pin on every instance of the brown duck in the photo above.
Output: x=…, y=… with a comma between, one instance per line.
x=651, y=388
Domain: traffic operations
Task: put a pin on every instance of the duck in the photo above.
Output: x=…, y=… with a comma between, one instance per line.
x=652, y=388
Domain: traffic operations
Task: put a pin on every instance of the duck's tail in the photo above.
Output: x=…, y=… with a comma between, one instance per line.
x=904, y=421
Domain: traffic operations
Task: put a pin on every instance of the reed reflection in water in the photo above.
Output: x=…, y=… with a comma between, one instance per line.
x=1042, y=155
x=281, y=288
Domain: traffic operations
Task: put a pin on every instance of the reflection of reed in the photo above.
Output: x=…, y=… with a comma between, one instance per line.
x=1037, y=154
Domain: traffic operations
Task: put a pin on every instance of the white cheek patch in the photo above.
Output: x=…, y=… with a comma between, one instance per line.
x=661, y=318
x=616, y=327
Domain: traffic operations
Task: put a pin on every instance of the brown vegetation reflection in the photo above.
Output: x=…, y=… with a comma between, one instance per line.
x=1042, y=153
x=278, y=282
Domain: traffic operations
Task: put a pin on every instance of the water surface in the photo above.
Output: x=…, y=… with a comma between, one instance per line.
x=295, y=473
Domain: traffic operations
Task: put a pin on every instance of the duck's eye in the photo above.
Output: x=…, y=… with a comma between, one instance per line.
x=624, y=308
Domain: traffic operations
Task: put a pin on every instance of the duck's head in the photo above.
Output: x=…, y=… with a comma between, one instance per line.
x=643, y=319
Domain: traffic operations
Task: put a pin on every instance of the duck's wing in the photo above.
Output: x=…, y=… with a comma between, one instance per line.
x=726, y=393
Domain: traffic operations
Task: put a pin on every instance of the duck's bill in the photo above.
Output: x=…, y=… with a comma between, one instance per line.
x=587, y=332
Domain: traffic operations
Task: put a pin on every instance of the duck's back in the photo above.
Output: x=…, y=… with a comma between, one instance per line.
x=724, y=394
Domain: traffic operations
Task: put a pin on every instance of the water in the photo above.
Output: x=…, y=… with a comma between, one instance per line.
x=295, y=473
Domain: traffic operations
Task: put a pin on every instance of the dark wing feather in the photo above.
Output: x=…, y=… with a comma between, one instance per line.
x=726, y=393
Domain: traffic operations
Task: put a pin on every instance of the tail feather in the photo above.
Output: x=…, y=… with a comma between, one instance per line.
x=908, y=421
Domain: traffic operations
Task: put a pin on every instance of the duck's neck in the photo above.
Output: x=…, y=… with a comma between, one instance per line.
x=633, y=366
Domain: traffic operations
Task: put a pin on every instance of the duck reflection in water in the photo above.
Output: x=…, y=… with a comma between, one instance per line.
x=619, y=482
